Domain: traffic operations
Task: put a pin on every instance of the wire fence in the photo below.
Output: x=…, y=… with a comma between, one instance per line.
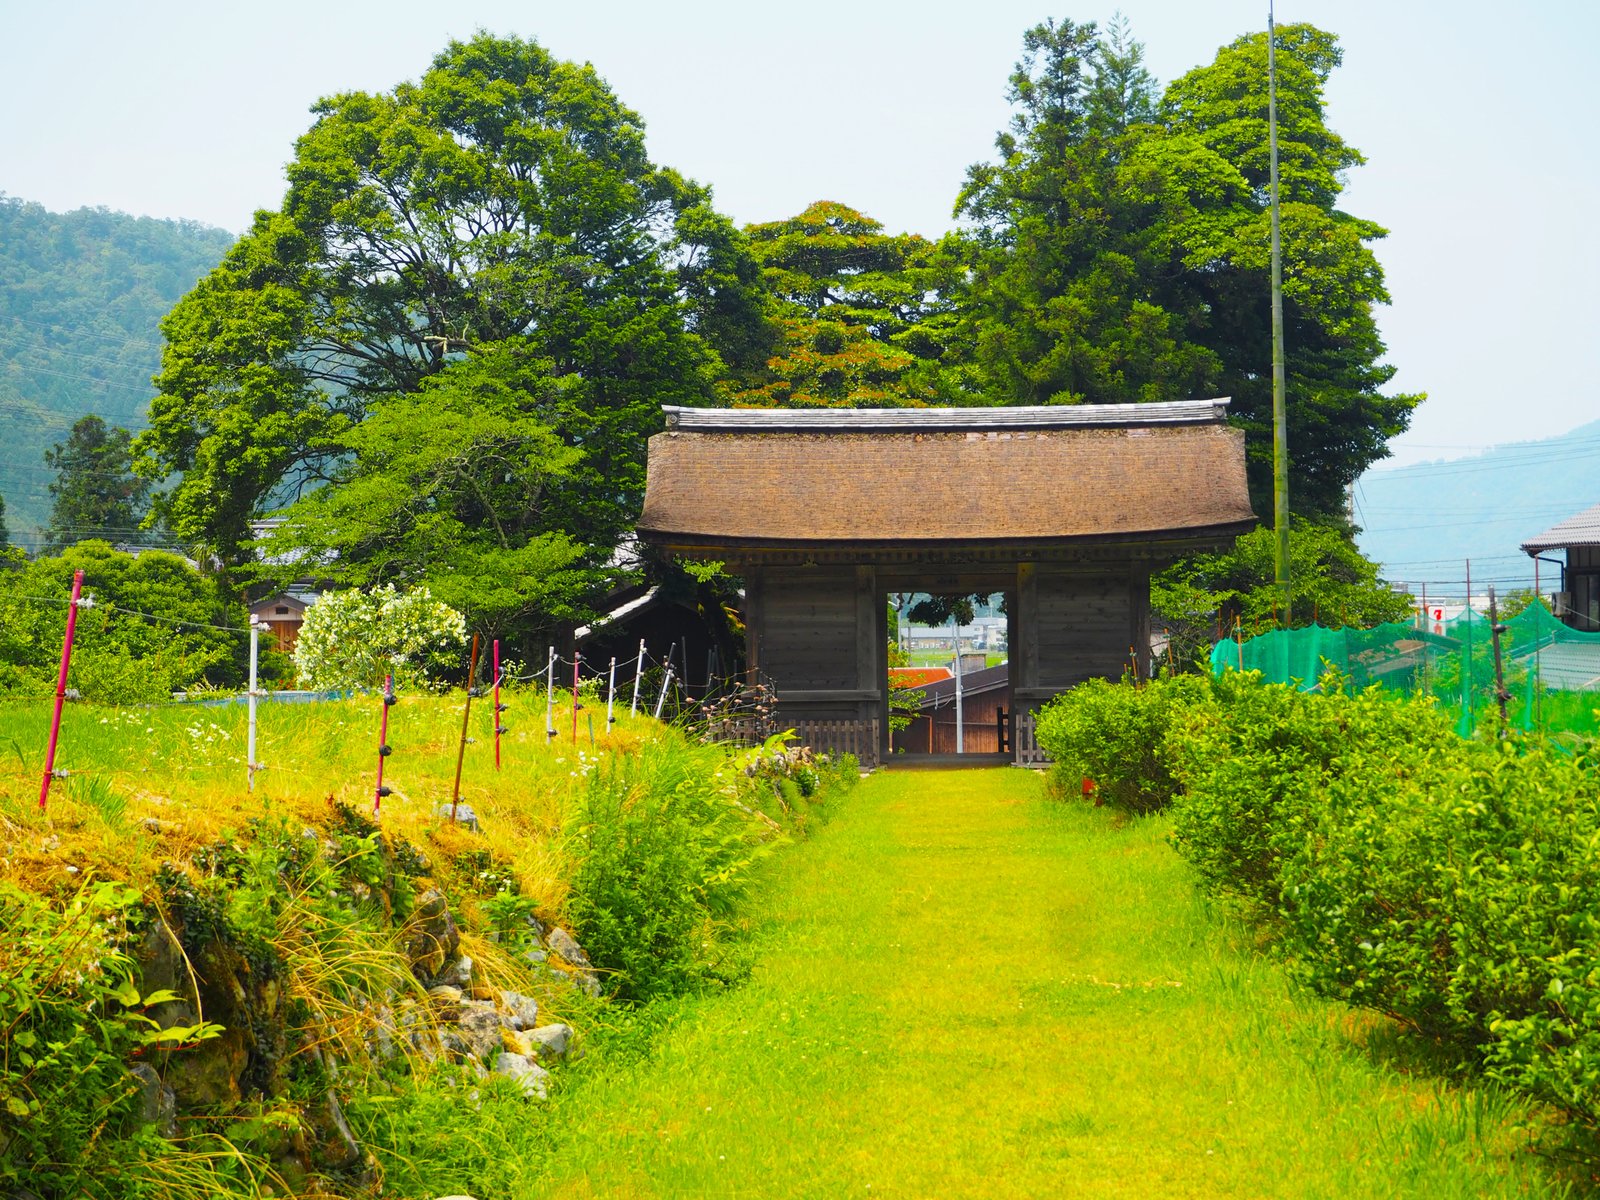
x=1547, y=673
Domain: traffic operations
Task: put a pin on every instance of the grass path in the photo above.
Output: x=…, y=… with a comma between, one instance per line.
x=966, y=990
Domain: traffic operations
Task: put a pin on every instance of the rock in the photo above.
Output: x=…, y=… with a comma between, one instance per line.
x=331, y=1145
x=458, y=974
x=518, y=1043
x=444, y=995
x=568, y=950
x=431, y=938
x=465, y=817
x=564, y=944
x=553, y=1041
x=158, y=1104
x=522, y=1012
x=479, y=1028
x=535, y=1080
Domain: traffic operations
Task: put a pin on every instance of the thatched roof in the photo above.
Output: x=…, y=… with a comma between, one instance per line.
x=1582, y=529
x=765, y=477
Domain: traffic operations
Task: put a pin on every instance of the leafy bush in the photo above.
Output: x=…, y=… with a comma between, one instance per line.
x=664, y=847
x=156, y=626
x=353, y=639
x=1453, y=885
x=1114, y=734
x=72, y=1016
x=1255, y=762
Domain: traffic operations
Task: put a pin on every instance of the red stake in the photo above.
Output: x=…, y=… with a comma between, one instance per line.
x=383, y=742
x=61, y=689
x=576, y=660
x=466, y=713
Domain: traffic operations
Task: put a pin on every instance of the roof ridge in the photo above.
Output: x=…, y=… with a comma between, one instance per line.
x=997, y=418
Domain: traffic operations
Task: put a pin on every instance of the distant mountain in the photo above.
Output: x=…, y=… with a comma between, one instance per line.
x=81, y=297
x=1423, y=522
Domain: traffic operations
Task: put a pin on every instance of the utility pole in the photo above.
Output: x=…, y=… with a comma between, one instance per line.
x=1280, y=420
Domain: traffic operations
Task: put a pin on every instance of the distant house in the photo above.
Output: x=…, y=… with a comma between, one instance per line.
x=1578, y=537
x=985, y=705
x=283, y=614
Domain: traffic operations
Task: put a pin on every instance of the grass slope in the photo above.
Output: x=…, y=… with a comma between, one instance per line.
x=965, y=989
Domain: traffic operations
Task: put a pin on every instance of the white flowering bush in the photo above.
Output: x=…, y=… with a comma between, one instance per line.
x=353, y=639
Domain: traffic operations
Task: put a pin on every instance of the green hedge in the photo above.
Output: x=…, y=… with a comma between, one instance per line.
x=1452, y=884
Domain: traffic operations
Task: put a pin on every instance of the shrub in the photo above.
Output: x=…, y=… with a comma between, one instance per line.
x=1254, y=765
x=352, y=639
x=156, y=626
x=664, y=847
x=1114, y=734
x=1453, y=885
x=72, y=1017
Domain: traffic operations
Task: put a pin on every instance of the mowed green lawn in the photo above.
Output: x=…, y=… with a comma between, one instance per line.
x=966, y=989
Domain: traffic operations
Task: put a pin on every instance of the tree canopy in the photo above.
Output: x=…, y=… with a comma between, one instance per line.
x=1120, y=249
x=440, y=357
x=95, y=492
x=504, y=204
x=859, y=311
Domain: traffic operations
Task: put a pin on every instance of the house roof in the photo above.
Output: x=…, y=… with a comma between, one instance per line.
x=912, y=677
x=942, y=692
x=785, y=477
x=1580, y=530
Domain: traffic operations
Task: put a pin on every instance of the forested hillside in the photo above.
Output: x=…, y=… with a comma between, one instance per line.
x=81, y=296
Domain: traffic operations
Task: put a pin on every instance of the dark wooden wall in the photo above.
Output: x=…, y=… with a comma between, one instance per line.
x=1073, y=624
x=820, y=633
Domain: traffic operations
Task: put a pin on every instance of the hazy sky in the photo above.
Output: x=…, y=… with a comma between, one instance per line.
x=1479, y=128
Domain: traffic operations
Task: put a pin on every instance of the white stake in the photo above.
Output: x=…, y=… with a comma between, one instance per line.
x=550, y=696
x=611, y=694
x=638, y=673
x=666, y=682
x=251, y=766
x=955, y=640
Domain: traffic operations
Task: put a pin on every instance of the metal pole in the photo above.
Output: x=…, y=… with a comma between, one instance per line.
x=611, y=694
x=577, y=660
x=1280, y=419
x=666, y=682
x=466, y=713
x=1466, y=666
x=550, y=697
x=498, y=707
x=250, y=739
x=61, y=688
x=638, y=673
x=1495, y=630
x=383, y=742
x=955, y=641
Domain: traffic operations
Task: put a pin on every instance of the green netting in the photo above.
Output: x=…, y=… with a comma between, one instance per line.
x=1551, y=670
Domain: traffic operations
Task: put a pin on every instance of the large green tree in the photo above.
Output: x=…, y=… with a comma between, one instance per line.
x=502, y=204
x=1120, y=249
x=861, y=314
x=95, y=492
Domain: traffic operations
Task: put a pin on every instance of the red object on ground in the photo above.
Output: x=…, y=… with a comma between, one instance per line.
x=1088, y=786
x=61, y=689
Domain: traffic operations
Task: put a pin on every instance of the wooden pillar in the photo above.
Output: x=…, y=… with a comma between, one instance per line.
x=1139, y=616
x=754, y=617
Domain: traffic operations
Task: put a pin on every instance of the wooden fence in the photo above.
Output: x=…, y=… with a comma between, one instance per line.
x=1028, y=752
x=841, y=737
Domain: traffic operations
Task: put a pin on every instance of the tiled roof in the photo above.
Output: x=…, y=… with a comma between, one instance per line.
x=1580, y=530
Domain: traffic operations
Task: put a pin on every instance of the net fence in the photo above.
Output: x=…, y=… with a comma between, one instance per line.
x=1551, y=671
